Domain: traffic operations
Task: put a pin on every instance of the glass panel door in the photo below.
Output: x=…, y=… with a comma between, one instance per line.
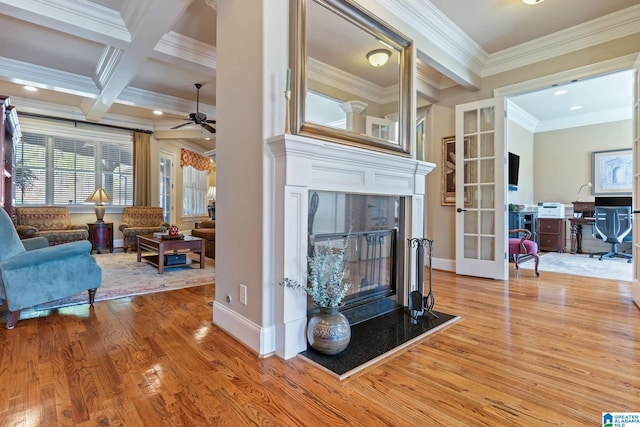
x=480, y=186
x=166, y=186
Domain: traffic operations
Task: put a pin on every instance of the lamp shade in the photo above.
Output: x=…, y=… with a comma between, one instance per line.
x=99, y=196
x=378, y=57
x=211, y=194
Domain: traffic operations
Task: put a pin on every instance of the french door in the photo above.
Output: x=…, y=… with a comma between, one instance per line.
x=480, y=188
x=166, y=186
x=635, y=286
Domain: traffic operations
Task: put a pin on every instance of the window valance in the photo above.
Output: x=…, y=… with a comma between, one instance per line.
x=195, y=160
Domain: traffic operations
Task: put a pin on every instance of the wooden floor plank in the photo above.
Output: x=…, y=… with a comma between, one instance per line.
x=532, y=351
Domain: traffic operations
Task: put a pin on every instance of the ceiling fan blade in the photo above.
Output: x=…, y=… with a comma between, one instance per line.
x=207, y=127
x=210, y=121
x=179, y=126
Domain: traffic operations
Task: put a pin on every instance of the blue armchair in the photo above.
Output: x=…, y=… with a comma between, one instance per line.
x=42, y=274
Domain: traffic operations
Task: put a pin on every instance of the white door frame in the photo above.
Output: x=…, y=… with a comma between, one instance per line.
x=627, y=62
x=635, y=285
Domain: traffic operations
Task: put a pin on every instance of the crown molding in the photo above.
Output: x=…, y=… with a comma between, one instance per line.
x=339, y=79
x=521, y=117
x=47, y=78
x=585, y=119
x=601, y=30
x=107, y=64
x=439, y=31
x=74, y=113
x=151, y=100
x=188, y=50
x=79, y=17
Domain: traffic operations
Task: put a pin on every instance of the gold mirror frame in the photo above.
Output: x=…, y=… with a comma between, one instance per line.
x=367, y=22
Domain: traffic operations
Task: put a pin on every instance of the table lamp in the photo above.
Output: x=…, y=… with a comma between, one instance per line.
x=99, y=196
x=578, y=199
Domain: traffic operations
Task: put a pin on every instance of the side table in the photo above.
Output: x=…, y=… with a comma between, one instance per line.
x=101, y=236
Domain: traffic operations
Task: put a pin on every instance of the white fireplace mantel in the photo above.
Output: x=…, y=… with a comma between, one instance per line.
x=302, y=164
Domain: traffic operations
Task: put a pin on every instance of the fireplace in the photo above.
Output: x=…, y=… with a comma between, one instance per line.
x=386, y=193
x=368, y=224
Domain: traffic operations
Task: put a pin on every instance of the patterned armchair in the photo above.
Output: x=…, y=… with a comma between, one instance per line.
x=139, y=220
x=52, y=222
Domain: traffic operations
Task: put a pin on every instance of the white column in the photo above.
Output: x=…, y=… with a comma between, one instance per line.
x=252, y=59
x=356, y=119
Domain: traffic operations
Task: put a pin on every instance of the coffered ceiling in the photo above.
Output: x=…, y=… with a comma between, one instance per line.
x=116, y=61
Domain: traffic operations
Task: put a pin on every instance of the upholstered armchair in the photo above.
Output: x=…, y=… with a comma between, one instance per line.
x=52, y=222
x=521, y=245
x=207, y=231
x=44, y=273
x=140, y=220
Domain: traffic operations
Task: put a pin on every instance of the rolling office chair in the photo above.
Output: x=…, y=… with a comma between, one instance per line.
x=613, y=225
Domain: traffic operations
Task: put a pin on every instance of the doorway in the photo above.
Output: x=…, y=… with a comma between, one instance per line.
x=555, y=129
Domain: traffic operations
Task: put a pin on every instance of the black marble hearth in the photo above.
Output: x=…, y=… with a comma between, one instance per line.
x=373, y=338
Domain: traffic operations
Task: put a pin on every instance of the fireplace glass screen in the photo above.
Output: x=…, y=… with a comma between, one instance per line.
x=370, y=224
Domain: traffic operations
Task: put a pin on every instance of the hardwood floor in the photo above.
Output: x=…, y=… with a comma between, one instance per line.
x=558, y=350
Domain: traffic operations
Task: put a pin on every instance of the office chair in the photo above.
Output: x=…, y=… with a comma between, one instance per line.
x=613, y=225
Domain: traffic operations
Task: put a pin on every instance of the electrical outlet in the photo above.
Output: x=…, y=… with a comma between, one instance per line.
x=243, y=294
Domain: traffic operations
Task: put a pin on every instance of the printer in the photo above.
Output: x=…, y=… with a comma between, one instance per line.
x=551, y=210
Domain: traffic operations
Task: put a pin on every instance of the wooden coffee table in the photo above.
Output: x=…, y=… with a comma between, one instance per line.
x=188, y=244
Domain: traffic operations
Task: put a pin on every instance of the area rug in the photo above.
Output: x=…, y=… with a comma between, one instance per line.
x=376, y=339
x=582, y=265
x=123, y=276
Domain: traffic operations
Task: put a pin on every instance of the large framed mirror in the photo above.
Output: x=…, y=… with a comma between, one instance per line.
x=352, y=77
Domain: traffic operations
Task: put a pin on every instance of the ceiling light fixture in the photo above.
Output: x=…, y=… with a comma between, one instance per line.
x=378, y=57
x=157, y=112
x=31, y=88
x=532, y=1
x=560, y=92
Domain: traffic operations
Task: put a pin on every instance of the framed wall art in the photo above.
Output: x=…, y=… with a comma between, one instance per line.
x=449, y=171
x=612, y=172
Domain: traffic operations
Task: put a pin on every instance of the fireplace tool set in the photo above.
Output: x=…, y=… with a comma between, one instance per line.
x=420, y=304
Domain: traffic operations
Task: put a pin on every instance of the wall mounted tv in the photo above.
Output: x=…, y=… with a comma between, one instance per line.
x=514, y=169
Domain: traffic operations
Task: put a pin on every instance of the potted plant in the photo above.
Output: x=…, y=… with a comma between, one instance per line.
x=328, y=331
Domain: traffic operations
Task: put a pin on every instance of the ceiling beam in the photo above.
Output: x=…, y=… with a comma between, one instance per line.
x=157, y=20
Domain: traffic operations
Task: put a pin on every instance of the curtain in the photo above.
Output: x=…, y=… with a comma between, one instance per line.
x=141, y=169
x=195, y=160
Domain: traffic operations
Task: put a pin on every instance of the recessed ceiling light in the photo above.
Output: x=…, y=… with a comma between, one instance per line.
x=532, y=1
x=31, y=88
x=560, y=92
x=575, y=107
x=207, y=139
x=157, y=112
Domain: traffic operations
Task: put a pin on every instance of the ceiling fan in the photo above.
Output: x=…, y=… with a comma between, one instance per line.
x=198, y=117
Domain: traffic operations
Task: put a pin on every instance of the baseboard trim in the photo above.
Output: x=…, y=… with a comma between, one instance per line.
x=260, y=340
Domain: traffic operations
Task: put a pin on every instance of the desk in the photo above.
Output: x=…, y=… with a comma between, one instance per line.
x=583, y=213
